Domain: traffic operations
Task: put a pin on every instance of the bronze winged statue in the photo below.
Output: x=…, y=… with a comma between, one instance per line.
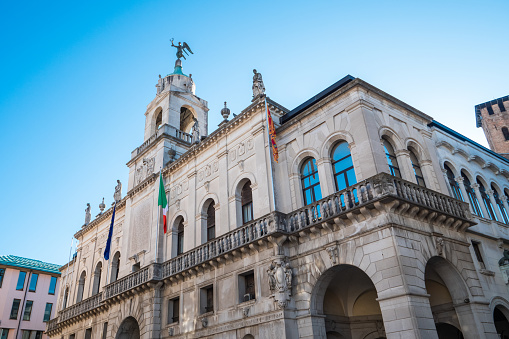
x=182, y=47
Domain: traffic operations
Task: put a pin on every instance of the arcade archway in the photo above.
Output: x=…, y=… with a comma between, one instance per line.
x=128, y=329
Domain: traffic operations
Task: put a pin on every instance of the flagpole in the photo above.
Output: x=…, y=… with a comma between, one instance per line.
x=270, y=154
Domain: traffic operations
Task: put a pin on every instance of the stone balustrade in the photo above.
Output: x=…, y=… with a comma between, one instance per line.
x=165, y=129
x=183, y=136
x=53, y=324
x=382, y=188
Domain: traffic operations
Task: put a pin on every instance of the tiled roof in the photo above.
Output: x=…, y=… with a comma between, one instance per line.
x=32, y=264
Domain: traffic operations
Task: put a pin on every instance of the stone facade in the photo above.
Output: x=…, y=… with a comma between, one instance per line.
x=331, y=245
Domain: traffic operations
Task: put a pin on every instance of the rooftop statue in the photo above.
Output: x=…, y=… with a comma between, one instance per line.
x=117, y=196
x=182, y=47
x=258, y=87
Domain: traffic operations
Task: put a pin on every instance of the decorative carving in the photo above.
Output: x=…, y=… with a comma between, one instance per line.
x=233, y=155
x=241, y=165
x=206, y=184
x=242, y=148
x=88, y=215
x=225, y=112
x=280, y=281
x=245, y=312
x=250, y=144
x=383, y=185
x=505, y=258
x=215, y=166
x=333, y=254
x=102, y=206
x=177, y=204
x=258, y=86
x=117, y=196
x=181, y=47
x=439, y=245
x=204, y=322
x=142, y=172
x=196, y=131
x=172, y=153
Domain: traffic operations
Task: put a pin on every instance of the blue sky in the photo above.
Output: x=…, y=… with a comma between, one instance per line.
x=76, y=78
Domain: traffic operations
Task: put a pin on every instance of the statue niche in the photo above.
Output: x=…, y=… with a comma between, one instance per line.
x=186, y=119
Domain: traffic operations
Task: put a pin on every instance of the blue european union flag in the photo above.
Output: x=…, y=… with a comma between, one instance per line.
x=110, y=235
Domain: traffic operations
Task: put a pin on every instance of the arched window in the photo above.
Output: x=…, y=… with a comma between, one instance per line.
x=159, y=120
x=81, y=287
x=66, y=296
x=180, y=237
x=505, y=131
x=391, y=158
x=453, y=184
x=115, y=267
x=417, y=169
x=310, y=182
x=342, y=166
x=97, y=278
x=211, y=221
x=486, y=200
x=186, y=119
x=500, y=205
x=471, y=195
x=246, y=200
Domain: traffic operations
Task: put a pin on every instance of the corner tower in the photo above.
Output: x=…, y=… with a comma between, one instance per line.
x=493, y=117
x=175, y=120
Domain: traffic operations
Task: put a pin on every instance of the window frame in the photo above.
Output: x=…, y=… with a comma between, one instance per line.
x=180, y=237
x=18, y=288
x=32, y=286
x=419, y=176
x=487, y=202
x=11, y=316
x=45, y=312
x=243, y=280
x=472, y=197
x=500, y=205
x=313, y=187
x=453, y=184
x=54, y=285
x=28, y=314
x=390, y=155
x=246, y=203
x=343, y=172
x=172, y=319
x=2, y=274
x=476, y=245
x=211, y=222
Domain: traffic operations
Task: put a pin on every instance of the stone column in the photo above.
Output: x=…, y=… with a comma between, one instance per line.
x=427, y=173
x=225, y=225
x=476, y=320
x=191, y=239
x=463, y=190
x=405, y=165
x=503, y=198
x=444, y=172
x=475, y=186
x=494, y=205
x=326, y=177
x=408, y=316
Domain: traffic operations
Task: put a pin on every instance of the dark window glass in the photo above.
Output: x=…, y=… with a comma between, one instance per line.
x=417, y=169
x=477, y=252
x=391, y=158
x=490, y=109
x=342, y=166
x=4, y=333
x=2, y=273
x=15, y=309
x=159, y=120
x=33, y=282
x=211, y=222
x=173, y=310
x=72, y=336
x=500, y=205
x=210, y=300
x=487, y=202
x=66, y=295
x=88, y=333
x=246, y=198
x=505, y=131
x=471, y=196
x=21, y=281
x=28, y=310
x=105, y=330
x=310, y=182
x=180, y=237
x=26, y=334
x=453, y=184
x=250, y=285
x=52, y=285
x=47, y=312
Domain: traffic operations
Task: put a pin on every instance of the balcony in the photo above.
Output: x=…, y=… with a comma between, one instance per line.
x=165, y=130
x=356, y=203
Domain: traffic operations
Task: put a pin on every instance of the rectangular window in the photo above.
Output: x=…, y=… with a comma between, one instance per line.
x=246, y=286
x=136, y=267
x=47, y=312
x=21, y=281
x=2, y=273
x=26, y=334
x=173, y=310
x=207, y=299
x=38, y=335
x=105, y=330
x=88, y=333
x=72, y=336
x=28, y=310
x=477, y=251
x=15, y=309
x=4, y=333
x=52, y=285
x=33, y=282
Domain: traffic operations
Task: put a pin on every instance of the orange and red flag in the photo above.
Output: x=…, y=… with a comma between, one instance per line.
x=272, y=135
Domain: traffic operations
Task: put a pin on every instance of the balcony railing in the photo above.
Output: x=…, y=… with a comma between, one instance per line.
x=80, y=308
x=255, y=230
x=52, y=324
x=381, y=187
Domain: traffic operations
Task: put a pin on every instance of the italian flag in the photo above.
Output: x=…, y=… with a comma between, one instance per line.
x=162, y=201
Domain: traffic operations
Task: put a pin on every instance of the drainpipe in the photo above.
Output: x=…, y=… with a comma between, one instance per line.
x=23, y=303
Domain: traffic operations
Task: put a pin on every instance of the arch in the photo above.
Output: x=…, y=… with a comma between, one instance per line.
x=178, y=236
x=464, y=171
x=391, y=135
x=500, y=302
x=187, y=118
x=128, y=329
x=97, y=278
x=483, y=188
x=454, y=187
x=115, y=267
x=310, y=181
x=66, y=297
x=481, y=178
x=451, y=165
x=451, y=277
x=204, y=203
x=81, y=286
x=300, y=157
x=343, y=168
x=248, y=336
x=446, y=330
x=238, y=182
x=246, y=202
x=392, y=160
x=340, y=295
x=334, y=138
x=421, y=153
x=158, y=118
x=416, y=166
x=209, y=220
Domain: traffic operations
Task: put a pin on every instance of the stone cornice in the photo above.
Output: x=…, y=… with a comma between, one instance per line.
x=99, y=219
